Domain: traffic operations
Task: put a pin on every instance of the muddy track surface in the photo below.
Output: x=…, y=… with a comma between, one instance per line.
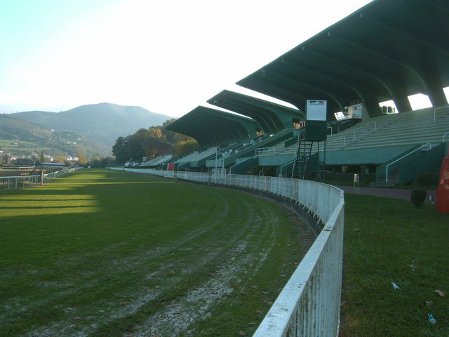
x=169, y=286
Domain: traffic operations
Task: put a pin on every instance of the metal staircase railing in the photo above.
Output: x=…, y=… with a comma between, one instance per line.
x=387, y=167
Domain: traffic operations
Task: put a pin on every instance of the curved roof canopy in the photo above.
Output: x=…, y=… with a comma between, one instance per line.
x=271, y=117
x=387, y=50
x=211, y=127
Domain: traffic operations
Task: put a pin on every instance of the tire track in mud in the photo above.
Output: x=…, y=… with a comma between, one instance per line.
x=139, y=298
x=214, y=290
x=123, y=265
x=227, y=260
x=180, y=315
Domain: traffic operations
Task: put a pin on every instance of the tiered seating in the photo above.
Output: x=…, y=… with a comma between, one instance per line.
x=410, y=128
x=195, y=157
x=158, y=161
x=392, y=136
x=250, y=149
x=336, y=141
x=359, y=132
x=396, y=130
x=228, y=158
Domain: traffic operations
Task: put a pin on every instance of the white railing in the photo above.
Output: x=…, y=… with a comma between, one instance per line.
x=309, y=304
x=269, y=150
x=60, y=173
x=427, y=146
x=281, y=170
x=360, y=132
x=444, y=136
x=15, y=182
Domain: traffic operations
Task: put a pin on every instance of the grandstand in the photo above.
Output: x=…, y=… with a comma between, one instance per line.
x=357, y=61
x=379, y=140
x=368, y=145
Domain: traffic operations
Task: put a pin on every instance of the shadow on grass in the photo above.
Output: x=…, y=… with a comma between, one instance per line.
x=60, y=238
x=149, y=248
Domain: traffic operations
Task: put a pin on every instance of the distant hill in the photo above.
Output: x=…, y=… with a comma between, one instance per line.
x=21, y=137
x=17, y=129
x=99, y=124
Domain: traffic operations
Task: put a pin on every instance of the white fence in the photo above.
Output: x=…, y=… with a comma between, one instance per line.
x=15, y=182
x=309, y=304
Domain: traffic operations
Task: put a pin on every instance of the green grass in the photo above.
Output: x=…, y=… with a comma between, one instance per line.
x=389, y=241
x=113, y=254
x=105, y=253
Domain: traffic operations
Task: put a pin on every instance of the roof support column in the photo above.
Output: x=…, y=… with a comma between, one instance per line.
x=437, y=96
x=373, y=108
x=402, y=103
x=435, y=91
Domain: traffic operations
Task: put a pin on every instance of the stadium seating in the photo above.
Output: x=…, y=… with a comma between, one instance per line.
x=248, y=149
x=397, y=132
x=196, y=158
x=160, y=160
x=376, y=141
x=414, y=127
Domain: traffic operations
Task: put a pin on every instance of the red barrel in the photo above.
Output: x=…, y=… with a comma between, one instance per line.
x=442, y=193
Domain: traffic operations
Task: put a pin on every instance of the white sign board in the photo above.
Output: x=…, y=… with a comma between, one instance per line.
x=316, y=110
x=356, y=111
x=339, y=116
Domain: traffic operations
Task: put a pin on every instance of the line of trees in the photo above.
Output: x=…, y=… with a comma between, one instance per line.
x=152, y=142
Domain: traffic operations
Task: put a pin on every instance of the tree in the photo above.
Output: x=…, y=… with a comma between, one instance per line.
x=152, y=142
x=156, y=132
x=23, y=162
x=101, y=162
x=120, y=151
x=136, y=144
x=81, y=154
x=60, y=158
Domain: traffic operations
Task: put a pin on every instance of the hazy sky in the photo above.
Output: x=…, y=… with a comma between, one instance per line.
x=166, y=56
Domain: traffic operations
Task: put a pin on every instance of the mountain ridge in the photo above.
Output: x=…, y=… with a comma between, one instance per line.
x=23, y=138
x=100, y=124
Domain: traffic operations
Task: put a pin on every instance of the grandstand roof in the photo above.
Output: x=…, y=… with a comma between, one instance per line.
x=162, y=145
x=389, y=49
x=271, y=117
x=211, y=127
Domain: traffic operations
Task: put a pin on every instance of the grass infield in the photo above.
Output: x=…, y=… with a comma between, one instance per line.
x=391, y=241
x=105, y=253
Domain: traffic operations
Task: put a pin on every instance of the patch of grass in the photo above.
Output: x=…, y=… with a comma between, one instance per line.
x=109, y=253
x=389, y=241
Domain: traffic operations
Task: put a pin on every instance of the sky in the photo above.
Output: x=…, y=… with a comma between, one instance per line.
x=167, y=56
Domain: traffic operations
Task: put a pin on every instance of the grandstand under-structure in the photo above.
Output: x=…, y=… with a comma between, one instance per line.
x=385, y=51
